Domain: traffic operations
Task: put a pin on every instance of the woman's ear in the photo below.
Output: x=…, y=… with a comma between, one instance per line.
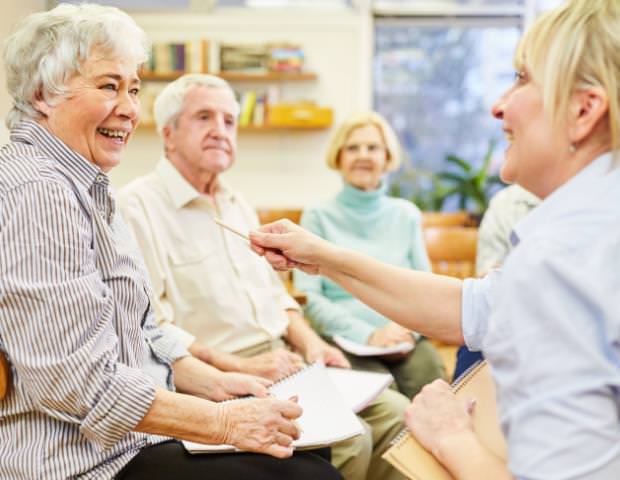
x=41, y=105
x=587, y=108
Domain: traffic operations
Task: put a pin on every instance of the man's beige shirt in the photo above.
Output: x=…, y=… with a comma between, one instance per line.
x=208, y=284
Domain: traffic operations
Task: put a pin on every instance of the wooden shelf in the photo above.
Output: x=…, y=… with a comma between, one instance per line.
x=238, y=76
x=275, y=128
x=259, y=129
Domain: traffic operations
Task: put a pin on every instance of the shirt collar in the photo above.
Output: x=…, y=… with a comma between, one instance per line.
x=574, y=194
x=74, y=165
x=180, y=190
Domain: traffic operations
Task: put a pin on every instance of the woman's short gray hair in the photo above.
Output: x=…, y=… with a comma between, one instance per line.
x=169, y=102
x=48, y=48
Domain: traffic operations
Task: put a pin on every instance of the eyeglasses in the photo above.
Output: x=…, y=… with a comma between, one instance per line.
x=371, y=148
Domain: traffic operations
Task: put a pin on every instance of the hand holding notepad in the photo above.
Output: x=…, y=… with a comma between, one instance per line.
x=326, y=417
x=415, y=462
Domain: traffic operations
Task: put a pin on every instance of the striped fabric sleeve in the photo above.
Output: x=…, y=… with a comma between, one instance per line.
x=57, y=317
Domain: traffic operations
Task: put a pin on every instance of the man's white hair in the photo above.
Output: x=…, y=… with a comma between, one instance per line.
x=48, y=48
x=169, y=102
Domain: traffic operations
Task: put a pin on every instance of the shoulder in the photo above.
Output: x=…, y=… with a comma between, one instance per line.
x=141, y=190
x=26, y=172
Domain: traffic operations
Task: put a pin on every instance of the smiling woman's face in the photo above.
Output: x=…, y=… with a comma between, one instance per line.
x=100, y=111
x=363, y=158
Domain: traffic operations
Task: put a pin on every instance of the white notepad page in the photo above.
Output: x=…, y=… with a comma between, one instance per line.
x=326, y=417
x=362, y=350
x=359, y=388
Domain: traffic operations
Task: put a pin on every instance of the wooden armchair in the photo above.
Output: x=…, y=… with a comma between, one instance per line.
x=5, y=376
x=452, y=250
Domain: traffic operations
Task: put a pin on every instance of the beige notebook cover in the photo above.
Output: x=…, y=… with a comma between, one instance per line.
x=416, y=463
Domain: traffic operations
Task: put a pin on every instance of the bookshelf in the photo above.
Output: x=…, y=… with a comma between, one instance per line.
x=296, y=117
x=238, y=76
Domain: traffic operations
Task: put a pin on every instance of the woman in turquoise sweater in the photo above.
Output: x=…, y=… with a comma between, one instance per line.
x=364, y=218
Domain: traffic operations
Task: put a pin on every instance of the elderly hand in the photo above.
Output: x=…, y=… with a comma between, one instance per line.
x=286, y=245
x=273, y=365
x=390, y=334
x=260, y=425
x=227, y=385
x=323, y=352
x=436, y=418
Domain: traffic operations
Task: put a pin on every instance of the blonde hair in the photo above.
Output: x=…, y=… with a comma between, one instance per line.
x=360, y=120
x=47, y=48
x=573, y=47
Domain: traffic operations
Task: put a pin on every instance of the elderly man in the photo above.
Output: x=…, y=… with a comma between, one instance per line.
x=221, y=300
x=94, y=381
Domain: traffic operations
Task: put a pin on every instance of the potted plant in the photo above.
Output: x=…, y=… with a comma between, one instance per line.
x=472, y=186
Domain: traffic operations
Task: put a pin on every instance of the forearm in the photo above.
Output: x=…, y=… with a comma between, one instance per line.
x=464, y=457
x=223, y=361
x=184, y=417
x=299, y=334
x=427, y=303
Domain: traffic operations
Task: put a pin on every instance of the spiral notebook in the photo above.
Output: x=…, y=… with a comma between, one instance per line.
x=416, y=463
x=326, y=417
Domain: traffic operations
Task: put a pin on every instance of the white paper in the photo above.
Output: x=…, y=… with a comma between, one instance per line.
x=326, y=417
x=359, y=388
x=362, y=350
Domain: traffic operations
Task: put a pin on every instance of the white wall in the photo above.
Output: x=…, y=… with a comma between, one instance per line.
x=276, y=169
x=12, y=12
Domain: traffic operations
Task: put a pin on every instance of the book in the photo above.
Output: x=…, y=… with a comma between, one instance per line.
x=358, y=387
x=416, y=463
x=362, y=350
x=326, y=417
x=248, y=102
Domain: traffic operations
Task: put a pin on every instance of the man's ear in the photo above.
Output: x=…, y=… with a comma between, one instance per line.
x=41, y=105
x=166, y=134
x=587, y=109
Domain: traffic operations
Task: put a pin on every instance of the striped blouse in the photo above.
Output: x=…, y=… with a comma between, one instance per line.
x=75, y=318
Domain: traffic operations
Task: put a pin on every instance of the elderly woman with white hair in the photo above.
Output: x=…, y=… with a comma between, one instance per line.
x=363, y=149
x=94, y=382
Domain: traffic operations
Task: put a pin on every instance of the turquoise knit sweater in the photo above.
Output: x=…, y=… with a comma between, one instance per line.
x=388, y=229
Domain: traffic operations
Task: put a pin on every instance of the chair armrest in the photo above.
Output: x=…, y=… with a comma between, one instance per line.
x=5, y=376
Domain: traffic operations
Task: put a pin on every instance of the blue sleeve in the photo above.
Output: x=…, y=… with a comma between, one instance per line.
x=327, y=318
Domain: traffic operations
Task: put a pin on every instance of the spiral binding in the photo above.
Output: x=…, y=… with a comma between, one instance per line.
x=298, y=372
x=456, y=386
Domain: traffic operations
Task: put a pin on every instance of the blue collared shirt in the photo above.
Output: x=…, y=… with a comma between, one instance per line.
x=549, y=324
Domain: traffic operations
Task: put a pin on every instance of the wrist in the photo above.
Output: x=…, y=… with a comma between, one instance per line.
x=449, y=449
x=224, y=424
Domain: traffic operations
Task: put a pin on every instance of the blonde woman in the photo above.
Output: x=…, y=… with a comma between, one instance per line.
x=362, y=216
x=549, y=322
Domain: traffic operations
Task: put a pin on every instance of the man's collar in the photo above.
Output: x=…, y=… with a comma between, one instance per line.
x=180, y=190
x=579, y=190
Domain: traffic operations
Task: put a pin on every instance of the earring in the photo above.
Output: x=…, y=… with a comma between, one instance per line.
x=572, y=148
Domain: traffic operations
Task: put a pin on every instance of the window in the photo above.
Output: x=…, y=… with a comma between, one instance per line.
x=438, y=68
x=435, y=82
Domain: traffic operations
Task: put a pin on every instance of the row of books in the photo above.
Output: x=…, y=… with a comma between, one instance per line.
x=209, y=56
x=254, y=108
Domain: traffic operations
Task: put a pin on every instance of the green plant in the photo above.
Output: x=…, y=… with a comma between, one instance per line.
x=473, y=187
x=421, y=187
x=429, y=191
